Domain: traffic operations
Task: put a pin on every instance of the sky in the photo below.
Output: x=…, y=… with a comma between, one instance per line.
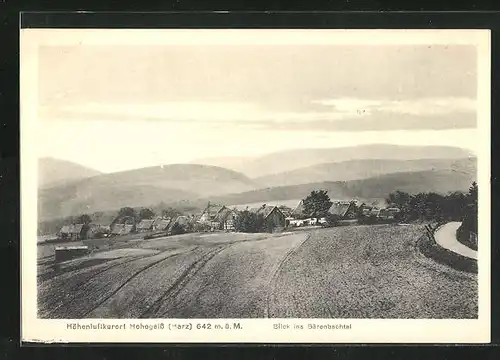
x=121, y=107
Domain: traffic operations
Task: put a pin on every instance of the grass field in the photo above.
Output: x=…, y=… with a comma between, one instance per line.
x=344, y=272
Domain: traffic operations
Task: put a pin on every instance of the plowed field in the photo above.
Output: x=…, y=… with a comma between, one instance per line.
x=343, y=272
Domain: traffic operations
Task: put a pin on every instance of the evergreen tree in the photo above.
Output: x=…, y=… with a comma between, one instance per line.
x=317, y=204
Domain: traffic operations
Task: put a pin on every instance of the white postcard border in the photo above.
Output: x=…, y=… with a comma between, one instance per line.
x=252, y=330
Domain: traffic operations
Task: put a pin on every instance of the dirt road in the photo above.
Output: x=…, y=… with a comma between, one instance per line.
x=357, y=272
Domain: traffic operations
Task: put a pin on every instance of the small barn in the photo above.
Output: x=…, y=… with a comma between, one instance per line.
x=345, y=210
x=274, y=218
x=74, y=232
x=145, y=225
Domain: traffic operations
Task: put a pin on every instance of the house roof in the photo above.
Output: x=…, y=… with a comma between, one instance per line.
x=98, y=226
x=287, y=213
x=213, y=209
x=145, y=224
x=163, y=224
x=388, y=211
x=72, y=229
x=299, y=209
x=181, y=220
x=340, y=208
x=66, y=229
x=265, y=210
x=122, y=229
x=385, y=212
x=223, y=214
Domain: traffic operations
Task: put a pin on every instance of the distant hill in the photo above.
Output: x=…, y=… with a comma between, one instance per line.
x=52, y=172
x=284, y=161
x=362, y=169
x=374, y=188
x=139, y=188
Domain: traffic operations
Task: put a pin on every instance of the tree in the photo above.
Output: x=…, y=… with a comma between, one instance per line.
x=454, y=206
x=249, y=222
x=127, y=212
x=434, y=206
x=473, y=192
x=146, y=213
x=470, y=218
x=83, y=219
x=332, y=219
x=97, y=215
x=399, y=199
x=171, y=213
x=317, y=204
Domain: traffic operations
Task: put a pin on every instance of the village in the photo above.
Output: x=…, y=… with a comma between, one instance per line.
x=222, y=218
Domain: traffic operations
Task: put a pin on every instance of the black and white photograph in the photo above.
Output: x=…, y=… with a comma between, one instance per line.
x=256, y=175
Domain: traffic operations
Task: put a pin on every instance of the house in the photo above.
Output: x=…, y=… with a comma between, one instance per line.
x=225, y=219
x=274, y=219
x=343, y=209
x=366, y=211
x=210, y=212
x=123, y=225
x=180, y=220
x=161, y=224
x=74, y=232
x=98, y=230
x=299, y=210
x=286, y=210
x=122, y=229
x=145, y=225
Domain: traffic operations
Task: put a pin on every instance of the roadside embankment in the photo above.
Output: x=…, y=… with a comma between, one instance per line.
x=437, y=245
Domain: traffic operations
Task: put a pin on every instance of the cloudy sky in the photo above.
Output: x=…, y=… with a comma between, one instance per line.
x=144, y=105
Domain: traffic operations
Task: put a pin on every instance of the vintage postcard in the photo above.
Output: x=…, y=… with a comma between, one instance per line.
x=255, y=186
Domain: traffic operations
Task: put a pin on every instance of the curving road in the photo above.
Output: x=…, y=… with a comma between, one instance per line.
x=346, y=272
x=446, y=237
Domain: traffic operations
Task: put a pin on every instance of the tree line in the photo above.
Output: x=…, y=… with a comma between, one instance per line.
x=456, y=206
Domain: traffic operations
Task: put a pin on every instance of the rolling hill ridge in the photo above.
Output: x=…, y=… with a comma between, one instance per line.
x=362, y=169
x=52, y=172
x=192, y=185
x=140, y=187
x=289, y=160
x=374, y=188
